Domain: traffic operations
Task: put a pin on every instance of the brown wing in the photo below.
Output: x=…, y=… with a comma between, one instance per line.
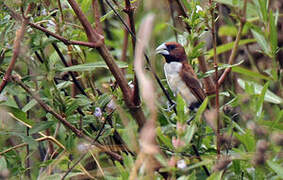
x=188, y=76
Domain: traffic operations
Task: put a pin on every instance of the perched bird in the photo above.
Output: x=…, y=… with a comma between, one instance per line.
x=180, y=75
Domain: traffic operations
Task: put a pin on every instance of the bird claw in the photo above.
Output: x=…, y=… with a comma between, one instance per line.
x=190, y=119
x=170, y=106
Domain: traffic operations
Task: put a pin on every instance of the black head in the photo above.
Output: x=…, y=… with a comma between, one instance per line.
x=172, y=51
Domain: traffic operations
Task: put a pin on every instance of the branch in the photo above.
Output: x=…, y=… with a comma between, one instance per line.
x=70, y=73
x=215, y=61
x=184, y=14
x=209, y=86
x=49, y=138
x=93, y=37
x=17, y=46
x=96, y=15
x=17, y=79
x=236, y=44
x=129, y=10
x=64, y=40
x=146, y=57
x=173, y=19
x=47, y=108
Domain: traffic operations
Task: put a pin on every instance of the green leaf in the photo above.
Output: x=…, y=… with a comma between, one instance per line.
x=122, y=170
x=181, y=105
x=29, y=140
x=248, y=140
x=63, y=85
x=221, y=67
x=226, y=30
x=71, y=108
x=3, y=163
x=19, y=114
x=92, y=66
x=250, y=73
x=41, y=126
x=215, y=176
x=273, y=33
x=261, y=99
x=29, y=105
x=166, y=140
x=276, y=167
x=269, y=96
x=261, y=41
x=199, y=164
x=251, y=12
x=190, y=133
x=201, y=109
x=277, y=120
x=226, y=47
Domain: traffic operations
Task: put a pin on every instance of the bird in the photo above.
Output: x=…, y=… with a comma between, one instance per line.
x=180, y=75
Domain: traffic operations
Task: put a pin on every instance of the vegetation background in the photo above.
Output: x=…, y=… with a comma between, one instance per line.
x=83, y=95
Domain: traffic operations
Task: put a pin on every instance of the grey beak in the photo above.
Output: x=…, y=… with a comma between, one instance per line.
x=162, y=49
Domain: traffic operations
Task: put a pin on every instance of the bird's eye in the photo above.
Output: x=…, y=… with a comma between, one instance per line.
x=171, y=47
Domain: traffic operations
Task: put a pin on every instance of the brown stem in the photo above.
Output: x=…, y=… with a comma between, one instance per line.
x=60, y=9
x=236, y=45
x=147, y=60
x=47, y=108
x=172, y=17
x=129, y=10
x=64, y=40
x=107, y=26
x=70, y=73
x=125, y=45
x=17, y=46
x=96, y=15
x=209, y=85
x=199, y=158
x=216, y=78
x=136, y=111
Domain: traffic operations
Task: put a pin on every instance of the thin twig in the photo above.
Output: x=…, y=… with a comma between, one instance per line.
x=173, y=19
x=17, y=46
x=184, y=14
x=215, y=61
x=106, y=21
x=25, y=144
x=47, y=108
x=64, y=40
x=236, y=44
x=199, y=158
x=129, y=10
x=136, y=111
x=147, y=59
x=84, y=154
x=96, y=15
x=70, y=73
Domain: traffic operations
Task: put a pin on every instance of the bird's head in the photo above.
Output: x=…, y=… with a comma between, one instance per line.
x=172, y=51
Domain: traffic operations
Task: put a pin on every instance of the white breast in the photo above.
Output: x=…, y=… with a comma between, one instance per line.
x=175, y=82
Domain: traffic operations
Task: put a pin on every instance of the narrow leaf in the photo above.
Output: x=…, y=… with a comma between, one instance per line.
x=276, y=167
x=261, y=41
x=226, y=47
x=269, y=96
x=92, y=66
x=250, y=73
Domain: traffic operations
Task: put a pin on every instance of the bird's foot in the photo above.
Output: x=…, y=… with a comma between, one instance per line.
x=190, y=119
x=170, y=106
